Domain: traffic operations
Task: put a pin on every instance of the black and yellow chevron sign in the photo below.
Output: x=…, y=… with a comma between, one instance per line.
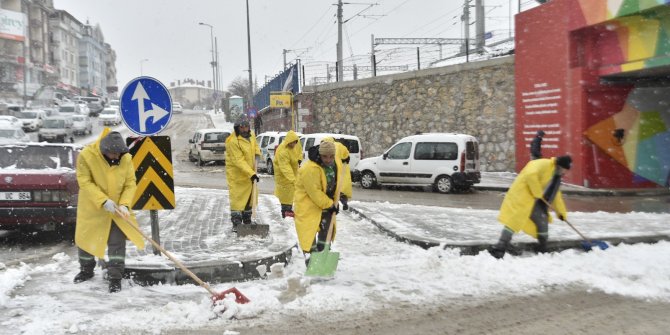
x=152, y=157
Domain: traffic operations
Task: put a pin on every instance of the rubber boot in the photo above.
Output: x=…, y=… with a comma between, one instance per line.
x=83, y=275
x=236, y=219
x=114, y=285
x=541, y=247
x=246, y=217
x=498, y=250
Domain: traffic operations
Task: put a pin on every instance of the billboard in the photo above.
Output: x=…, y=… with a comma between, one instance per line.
x=287, y=81
x=12, y=25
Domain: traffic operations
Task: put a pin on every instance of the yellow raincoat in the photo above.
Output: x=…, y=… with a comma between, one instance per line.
x=529, y=186
x=286, y=168
x=98, y=181
x=310, y=200
x=342, y=153
x=240, y=160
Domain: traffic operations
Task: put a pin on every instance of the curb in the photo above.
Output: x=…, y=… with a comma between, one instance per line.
x=476, y=248
x=593, y=192
x=210, y=272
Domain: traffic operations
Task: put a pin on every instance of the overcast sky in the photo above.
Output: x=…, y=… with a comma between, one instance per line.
x=168, y=35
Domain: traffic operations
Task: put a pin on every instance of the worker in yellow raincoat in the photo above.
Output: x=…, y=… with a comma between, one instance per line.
x=314, y=197
x=241, y=152
x=523, y=208
x=106, y=178
x=342, y=154
x=286, y=163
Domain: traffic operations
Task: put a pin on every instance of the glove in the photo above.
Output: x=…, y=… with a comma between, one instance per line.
x=344, y=200
x=561, y=217
x=110, y=206
x=254, y=178
x=299, y=161
x=334, y=209
x=124, y=211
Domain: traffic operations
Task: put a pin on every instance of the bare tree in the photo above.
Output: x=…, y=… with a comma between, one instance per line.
x=239, y=86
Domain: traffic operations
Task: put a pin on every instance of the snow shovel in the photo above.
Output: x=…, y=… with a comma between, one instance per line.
x=324, y=263
x=239, y=297
x=255, y=228
x=587, y=244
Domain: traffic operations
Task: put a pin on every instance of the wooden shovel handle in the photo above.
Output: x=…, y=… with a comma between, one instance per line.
x=166, y=253
x=566, y=221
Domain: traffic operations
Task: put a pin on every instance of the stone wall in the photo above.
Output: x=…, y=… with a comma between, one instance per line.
x=472, y=98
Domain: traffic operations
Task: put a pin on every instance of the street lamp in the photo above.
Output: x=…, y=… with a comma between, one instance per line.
x=214, y=65
x=142, y=62
x=251, y=88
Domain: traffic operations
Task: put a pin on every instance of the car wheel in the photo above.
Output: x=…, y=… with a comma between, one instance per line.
x=200, y=161
x=271, y=169
x=190, y=156
x=443, y=184
x=39, y=138
x=368, y=180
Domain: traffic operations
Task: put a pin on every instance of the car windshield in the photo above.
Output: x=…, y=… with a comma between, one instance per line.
x=36, y=157
x=78, y=118
x=28, y=115
x=54, y=123
x=216, y=137
x=109, y=112
x=8, y=133
x=66, y=109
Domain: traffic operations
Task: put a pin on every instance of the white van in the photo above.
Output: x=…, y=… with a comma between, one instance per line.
x=268, y=142
x=443, y=160
x=353, y=143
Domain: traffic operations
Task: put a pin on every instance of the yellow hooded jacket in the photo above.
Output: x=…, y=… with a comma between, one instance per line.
x=286, y=168
x=529, y=186
x=240, y=166
x=310, y=200
x=342, y=153
x=98, y=181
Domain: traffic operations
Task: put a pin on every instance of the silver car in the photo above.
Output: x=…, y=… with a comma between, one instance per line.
x=82, y=125
x=57, y=129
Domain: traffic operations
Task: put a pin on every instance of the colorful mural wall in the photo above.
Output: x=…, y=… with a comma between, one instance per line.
x=588, y=73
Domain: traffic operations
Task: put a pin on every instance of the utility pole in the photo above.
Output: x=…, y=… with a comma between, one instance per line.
x=251, y=82
x=217, y=87
x=418, y=59
x=339, y=41
x=480, y=26
x=284, y=52
x=372, y=55
x=466, y=28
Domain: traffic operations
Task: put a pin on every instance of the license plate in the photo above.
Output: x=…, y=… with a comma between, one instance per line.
x=14, y=196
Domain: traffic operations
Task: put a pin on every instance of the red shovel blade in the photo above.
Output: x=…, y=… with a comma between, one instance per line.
x=239, y=297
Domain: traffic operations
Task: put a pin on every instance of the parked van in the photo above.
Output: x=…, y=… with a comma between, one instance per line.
x=353, y=143
x=446, y=161
x=268, y=142
x=207, y=145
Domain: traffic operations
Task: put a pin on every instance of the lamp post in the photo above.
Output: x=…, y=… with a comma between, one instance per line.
x=214, y=65
x=142, y=62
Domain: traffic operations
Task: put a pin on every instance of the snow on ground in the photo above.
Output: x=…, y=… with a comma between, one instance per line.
x=374, y=271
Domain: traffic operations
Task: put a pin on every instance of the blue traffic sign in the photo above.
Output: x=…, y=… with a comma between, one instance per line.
x=251, y=112
x=146, y=106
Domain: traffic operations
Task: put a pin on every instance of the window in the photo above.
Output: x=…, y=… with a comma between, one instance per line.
x=400, y=151
x=265, y=141
x=436, y=151
x=471, y=150
x=352, y=145
x=309, y=144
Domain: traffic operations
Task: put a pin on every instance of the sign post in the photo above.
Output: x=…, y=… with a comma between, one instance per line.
x=146, y=109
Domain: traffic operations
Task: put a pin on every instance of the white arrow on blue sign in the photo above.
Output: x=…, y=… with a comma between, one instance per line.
x=146, y=106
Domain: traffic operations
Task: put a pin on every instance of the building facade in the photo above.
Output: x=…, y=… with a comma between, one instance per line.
x=64, y=37
x=92, y=61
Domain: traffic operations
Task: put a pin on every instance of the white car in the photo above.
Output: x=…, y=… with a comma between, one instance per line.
x=82, y=125
x=177, y=108
x=10, y=120
x=443, y=160
x=110, y=116
x=352, y=142
x=207, y=145
x=268, y=143
x=32, y=119
x=10, y=134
